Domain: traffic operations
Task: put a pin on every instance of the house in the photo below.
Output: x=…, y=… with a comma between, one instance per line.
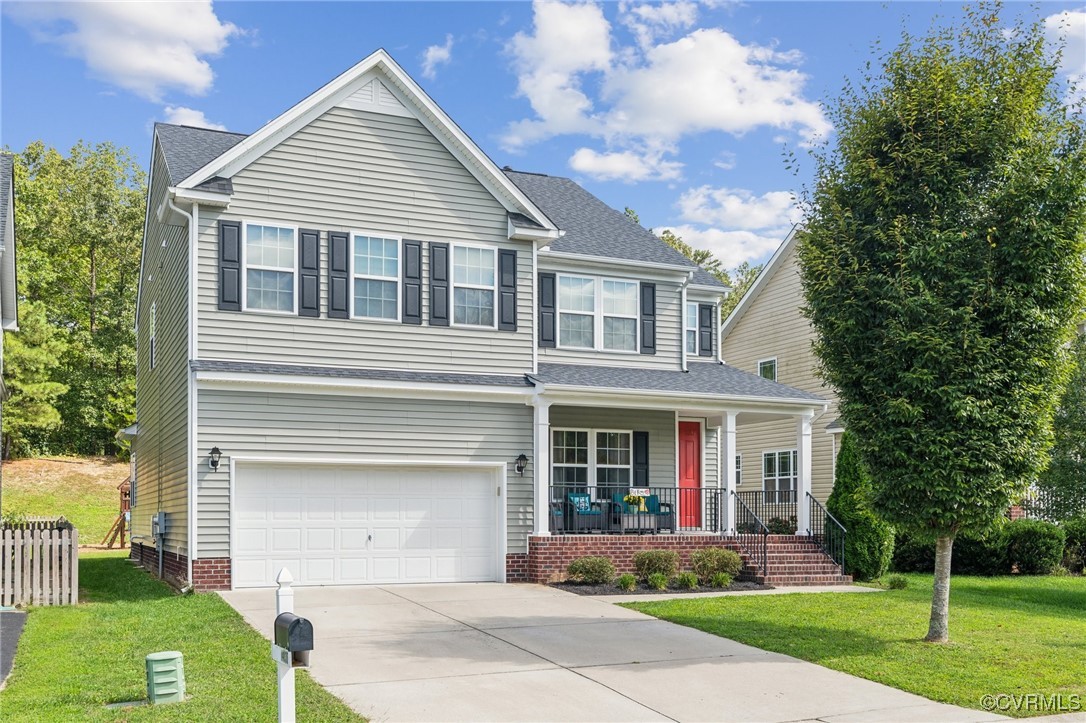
x=369, y=354
x=766, y=334
x=9, y=302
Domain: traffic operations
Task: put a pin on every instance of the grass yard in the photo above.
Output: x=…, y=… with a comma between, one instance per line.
x=71, y=661
x=83, y=489
x=1010, y=635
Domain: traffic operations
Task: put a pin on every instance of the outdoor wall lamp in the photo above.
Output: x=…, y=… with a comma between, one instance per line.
x=521, y=463
x=213, y=459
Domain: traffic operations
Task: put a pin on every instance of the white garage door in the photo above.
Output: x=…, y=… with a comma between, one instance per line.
x=338, y=525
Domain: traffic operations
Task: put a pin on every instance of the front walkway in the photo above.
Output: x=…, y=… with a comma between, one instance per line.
x=489, y=652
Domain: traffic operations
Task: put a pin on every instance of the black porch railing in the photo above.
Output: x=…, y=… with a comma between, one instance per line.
x=751, y=534
x=826, y=531
x=579, y=509
x=777, y=509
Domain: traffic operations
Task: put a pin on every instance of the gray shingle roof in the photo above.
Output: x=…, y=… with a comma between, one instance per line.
x=395, y=375
x=7, y=176
x=189, y=149
x=704, y=378
x=594, y=228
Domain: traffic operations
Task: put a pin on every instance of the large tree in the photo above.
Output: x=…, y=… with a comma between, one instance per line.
x=80, y=221
x=942, y=263
x=1062, y=486
x=30, y=358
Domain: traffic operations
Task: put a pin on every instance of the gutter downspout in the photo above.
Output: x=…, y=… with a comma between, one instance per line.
x=682, y=315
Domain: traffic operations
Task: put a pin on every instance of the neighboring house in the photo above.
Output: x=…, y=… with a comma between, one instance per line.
x=367, y=353
x=767, y=334
x=9, y=302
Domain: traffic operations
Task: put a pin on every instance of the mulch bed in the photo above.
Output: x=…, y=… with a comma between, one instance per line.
x=642, y=589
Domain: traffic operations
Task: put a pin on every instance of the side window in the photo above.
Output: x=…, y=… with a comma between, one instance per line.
x=690, y=333
x=767, y=369
x=738, y=470
x=473, y=279
x=779, y=475
x=376, y=282
x=153, y=331
x=270, y=268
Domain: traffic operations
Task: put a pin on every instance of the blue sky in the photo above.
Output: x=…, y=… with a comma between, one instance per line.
x=681, y=110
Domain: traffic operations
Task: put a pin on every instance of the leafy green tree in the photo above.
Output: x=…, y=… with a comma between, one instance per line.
x=743, y=277
x=80, y=221
x=869, y=541
x=942, y=264
x=1062, y=485
x=30, y=358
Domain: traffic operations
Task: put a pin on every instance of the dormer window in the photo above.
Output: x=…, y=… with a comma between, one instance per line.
x=597, y=313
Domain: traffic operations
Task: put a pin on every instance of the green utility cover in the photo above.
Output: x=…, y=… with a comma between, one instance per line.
x=165, y=677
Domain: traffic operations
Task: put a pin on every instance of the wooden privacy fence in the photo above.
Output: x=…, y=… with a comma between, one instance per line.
x=39, y=563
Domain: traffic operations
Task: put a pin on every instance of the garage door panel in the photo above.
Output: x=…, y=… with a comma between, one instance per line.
x=353, y=570
x=287, y=509
x=286, y=540
x=251, y=541
x=319, y=570
x=352, y=508
x=353, y=539
x=320, y=540
x=320, y=508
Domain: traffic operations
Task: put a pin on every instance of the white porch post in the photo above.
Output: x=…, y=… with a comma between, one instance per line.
x=803, y=430
x=542, y=466
x=728, y=463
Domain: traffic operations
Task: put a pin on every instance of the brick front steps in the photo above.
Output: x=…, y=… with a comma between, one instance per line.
x=791, y=559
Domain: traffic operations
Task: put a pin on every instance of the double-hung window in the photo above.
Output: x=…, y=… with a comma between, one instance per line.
x=767, y=369
x=780, y=475
x=738, y=470
x=376, y=273
x=570, y=458
x=592, y=458
x=270, y=268
x=474, y=277
x=595, y=313
x=690, y=329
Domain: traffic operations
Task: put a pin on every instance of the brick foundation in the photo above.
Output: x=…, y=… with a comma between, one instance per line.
x=208, y=573
x=516, y=567
x=550, y=555
x=211, y=573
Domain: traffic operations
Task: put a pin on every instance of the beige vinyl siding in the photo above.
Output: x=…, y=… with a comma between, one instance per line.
x=315, y=426
x=352, y=170
x=772, y=326
x=162, y=392
x=668, y=334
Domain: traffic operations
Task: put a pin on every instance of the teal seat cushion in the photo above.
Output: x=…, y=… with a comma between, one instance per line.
x=582, y=503
x=652, y=504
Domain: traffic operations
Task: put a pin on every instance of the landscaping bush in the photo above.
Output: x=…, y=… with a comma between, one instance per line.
x=973, y=554
x=709, y=561
x=657, y=581
x=664, y=562
x=1074, y=547
x=912, y=554
x=720, y=579
x=1034, y=547
x=626, y=582
x=591, y=570
x=687, y=581
x=897, y=582
x=781, y=526
x=869, y=541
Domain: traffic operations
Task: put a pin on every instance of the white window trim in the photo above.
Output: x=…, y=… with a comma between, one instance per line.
x=453, y=286
x=776, y=368
x=587, y=465
x=153, y=330
x=374, y=277
x=245, y=266
x=739, y=471
x=593, y=466
x=687, y=328
x=597, y=314
x=795, y=472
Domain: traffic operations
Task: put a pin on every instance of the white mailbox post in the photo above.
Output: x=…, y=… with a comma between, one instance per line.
x=292, y=640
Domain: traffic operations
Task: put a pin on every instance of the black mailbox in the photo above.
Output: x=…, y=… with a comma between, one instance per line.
x=293, y=633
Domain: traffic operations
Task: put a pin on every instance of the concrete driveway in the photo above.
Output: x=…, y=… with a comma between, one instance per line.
x=490, y=652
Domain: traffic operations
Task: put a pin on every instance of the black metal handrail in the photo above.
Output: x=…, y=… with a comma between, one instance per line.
x=583, y=509
x=826, y=531
x=776, y=508
x=751, y=534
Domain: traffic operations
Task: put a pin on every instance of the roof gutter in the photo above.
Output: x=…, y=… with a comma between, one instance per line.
x=191, y=195
x=588, y=258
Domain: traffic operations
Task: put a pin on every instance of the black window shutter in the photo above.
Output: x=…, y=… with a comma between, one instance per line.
x=439, y=284
x=230, y=265
x=412, y=282
x=507, y=290
x=309, y=272
x=338, y=271
x=547, y=310
x=705, y=329
x=640, y=459
x=648, y=318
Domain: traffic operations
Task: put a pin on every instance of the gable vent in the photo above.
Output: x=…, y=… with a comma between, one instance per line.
x=375, y=97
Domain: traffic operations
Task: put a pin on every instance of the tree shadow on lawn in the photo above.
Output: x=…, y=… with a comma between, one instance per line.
x=108, y=579
x=1017, y=595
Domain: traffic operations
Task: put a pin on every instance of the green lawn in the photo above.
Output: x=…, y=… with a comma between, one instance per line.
x=71, y=661
x=1008, y=635
x=82, y=489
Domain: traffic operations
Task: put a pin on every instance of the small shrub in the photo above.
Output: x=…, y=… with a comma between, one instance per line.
x=709, y=561
x=897, y=582
x=1074, y=548
x=687, y=581
x=626, y=582
x=720, y=579
x=591, y=570
x=664, y=562
x=869, y=542
x=1060, y=571
x=657, y=581
x=1034, y=547
x=781, y=526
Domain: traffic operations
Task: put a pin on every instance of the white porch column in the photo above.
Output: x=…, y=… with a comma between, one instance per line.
x=803, y=432
x=728, y=463
x=542, y=466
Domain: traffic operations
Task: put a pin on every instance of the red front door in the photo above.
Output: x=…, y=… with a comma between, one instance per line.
x=689, y=474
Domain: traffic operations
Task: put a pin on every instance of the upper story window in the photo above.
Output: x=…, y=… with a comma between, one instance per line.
x=270, y=268
x=153, y=331
x=376, y=274
x=474, y=277
x=767, y=369
x=690, y=329
x=595, y=313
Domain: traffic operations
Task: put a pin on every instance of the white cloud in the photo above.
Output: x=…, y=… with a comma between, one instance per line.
x=725, y=161
x=625, y=166
x=1070, y=27
x=436, y=55
x=649, y=21
x=179, y=115
x=732, y=247
x=145, y=47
